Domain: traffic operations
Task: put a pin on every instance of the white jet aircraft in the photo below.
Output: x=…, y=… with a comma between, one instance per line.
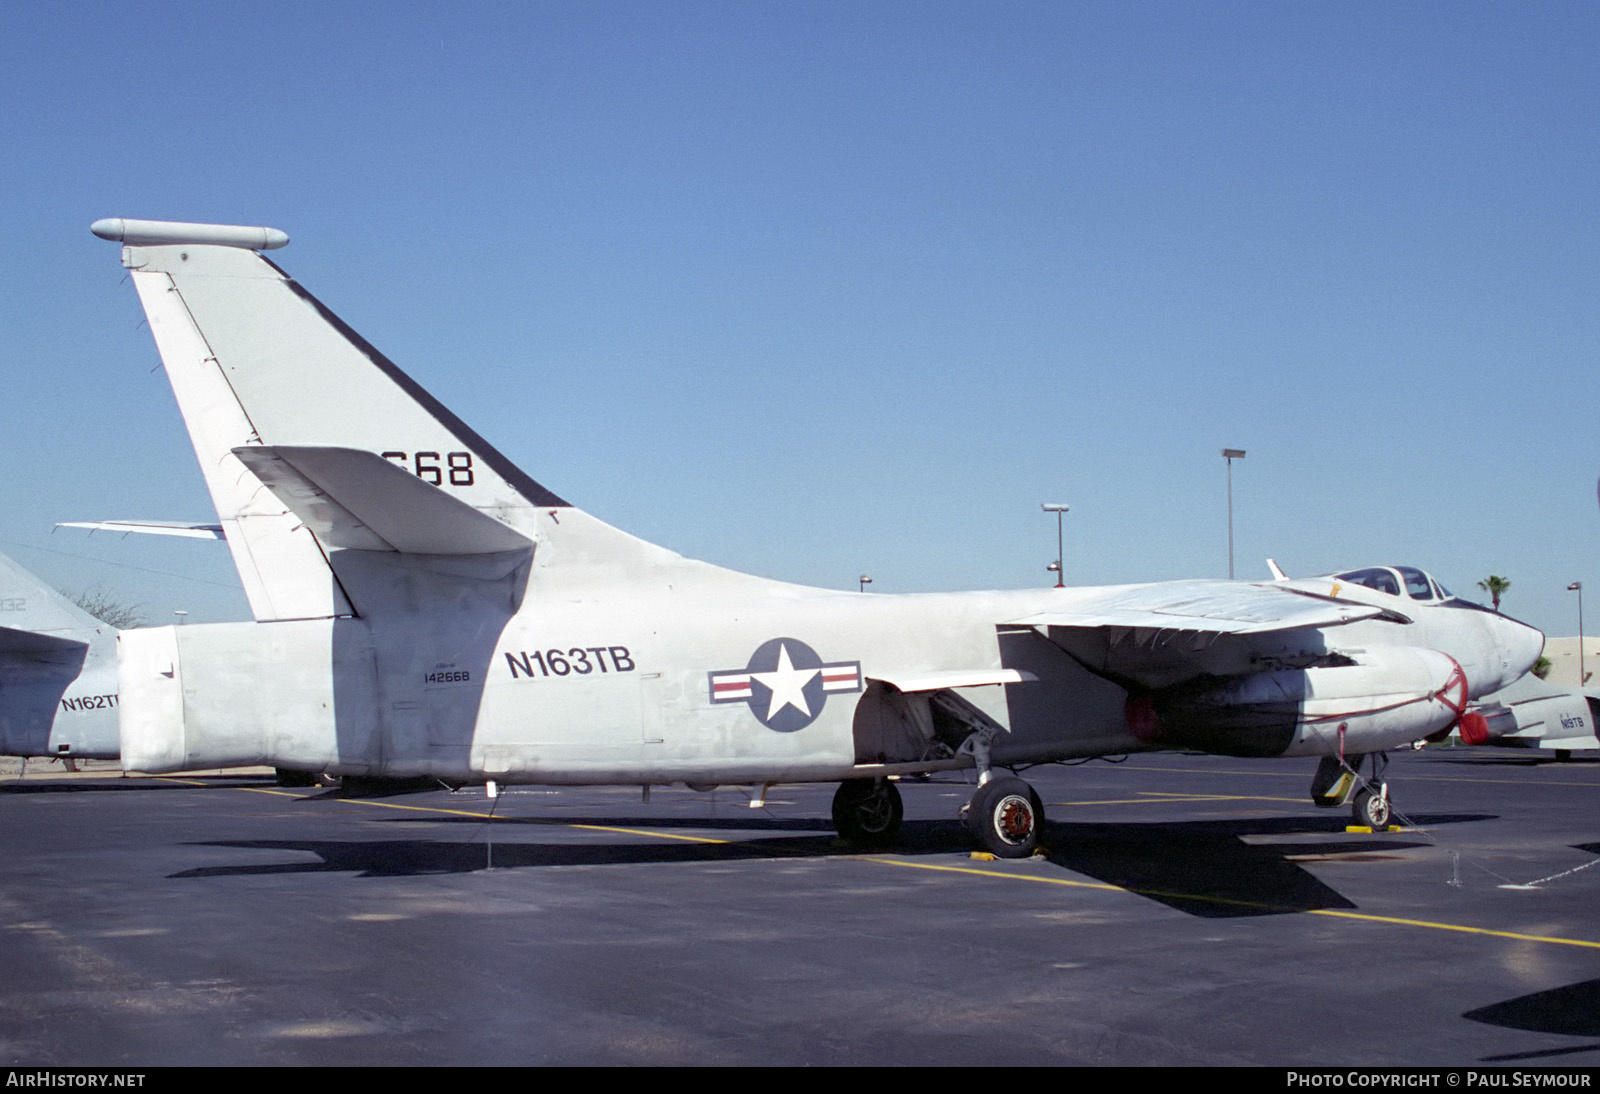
x=1533, y=714
x=425, y=608
x=58, y=673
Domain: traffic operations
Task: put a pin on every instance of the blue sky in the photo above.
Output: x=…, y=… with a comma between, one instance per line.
x=812, y=289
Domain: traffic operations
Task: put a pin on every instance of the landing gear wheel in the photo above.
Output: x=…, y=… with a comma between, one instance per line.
x=1563, y=755
x=867, y=812
x=1007, y=817
x=1371, y=809
x=289, y=777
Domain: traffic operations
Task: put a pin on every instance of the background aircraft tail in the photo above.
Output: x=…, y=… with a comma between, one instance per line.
x=57, y=672
x=32, y=614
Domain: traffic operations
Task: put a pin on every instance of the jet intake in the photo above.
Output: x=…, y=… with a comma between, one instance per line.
x=1376, y=699
x=1474, y=729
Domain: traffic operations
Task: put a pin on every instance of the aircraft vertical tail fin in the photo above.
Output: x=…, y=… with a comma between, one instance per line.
x=29, y=606
x=255, y=359
x=58, y=670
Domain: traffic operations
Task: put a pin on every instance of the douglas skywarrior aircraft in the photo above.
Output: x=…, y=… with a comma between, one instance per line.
x=425, y=608
x=58, y=673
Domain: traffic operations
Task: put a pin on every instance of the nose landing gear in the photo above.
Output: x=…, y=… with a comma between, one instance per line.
x=1339, y=782
x=1371, y=808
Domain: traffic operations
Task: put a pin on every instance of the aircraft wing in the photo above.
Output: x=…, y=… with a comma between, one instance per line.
x=356, y=499
x=149, y=527
x=1202, y=608
x=1155, y=636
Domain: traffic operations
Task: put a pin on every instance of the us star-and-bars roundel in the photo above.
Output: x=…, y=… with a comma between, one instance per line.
x=785, y=684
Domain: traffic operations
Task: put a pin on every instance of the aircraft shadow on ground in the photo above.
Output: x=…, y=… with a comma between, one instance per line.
x=403, y=858
x=1204, y=869
x=1520, y=759
x=117, y=784
x=1573, y=1010
x=1207, y=869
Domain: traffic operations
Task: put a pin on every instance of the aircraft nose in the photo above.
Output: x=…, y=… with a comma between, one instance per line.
x=1519, y=645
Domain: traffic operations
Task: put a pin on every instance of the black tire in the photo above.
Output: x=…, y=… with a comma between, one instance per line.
x=288, y=777
x=1007, y=817
x=1371, y=810
x=867, y=812
x=1563, y=755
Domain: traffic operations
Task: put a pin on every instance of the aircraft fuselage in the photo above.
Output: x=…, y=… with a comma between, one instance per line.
x=760, y=681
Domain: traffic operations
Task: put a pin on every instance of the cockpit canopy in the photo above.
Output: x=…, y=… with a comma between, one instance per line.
x=1392, y=579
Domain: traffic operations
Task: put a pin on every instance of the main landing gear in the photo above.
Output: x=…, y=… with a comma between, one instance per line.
x=1340, y=782
x=867, y=813
x=1005, y=814
x=1007, y=817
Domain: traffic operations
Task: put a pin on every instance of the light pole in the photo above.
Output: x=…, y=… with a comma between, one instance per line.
x=1231, y=454
x=865, y=581
x=1058, y=508
x=1577, y=587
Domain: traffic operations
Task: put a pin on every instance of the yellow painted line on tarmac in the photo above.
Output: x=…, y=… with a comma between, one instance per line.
x=379, y=805
x=1164, y=895
x=1409, y=777
x=659, y=835
x=1156, y=797
x=475, y=815
x=1464, y=779
x=1398, y=921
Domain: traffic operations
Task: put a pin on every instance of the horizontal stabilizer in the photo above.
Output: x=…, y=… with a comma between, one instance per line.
x=149, y=528
x=355, y=499
x=17, y=641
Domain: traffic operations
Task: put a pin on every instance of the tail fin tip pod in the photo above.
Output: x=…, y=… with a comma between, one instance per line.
x=152, y=233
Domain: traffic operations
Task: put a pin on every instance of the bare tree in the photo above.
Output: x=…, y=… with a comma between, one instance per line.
x=99, y=602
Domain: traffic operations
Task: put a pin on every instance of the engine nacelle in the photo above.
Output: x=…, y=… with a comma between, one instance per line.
x=1380, y=698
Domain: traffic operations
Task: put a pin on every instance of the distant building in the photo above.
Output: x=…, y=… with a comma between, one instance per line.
x=1563, y=654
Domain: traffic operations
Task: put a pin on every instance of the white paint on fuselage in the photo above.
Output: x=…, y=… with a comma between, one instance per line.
x=459, y=685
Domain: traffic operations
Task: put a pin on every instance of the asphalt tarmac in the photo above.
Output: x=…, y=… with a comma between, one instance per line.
x=1191, y=910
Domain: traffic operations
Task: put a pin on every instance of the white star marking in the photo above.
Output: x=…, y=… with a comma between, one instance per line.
x=787, y=684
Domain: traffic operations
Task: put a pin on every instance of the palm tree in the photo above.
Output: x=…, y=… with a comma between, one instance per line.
x=1495, y=587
